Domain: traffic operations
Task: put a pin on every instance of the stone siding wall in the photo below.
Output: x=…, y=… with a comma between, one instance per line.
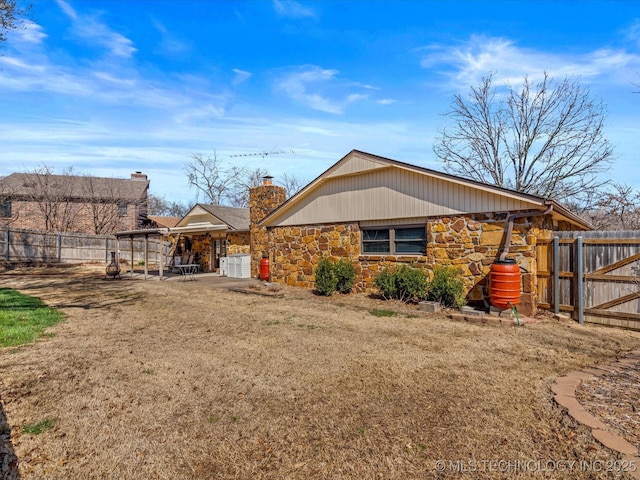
x=295, y=251
x=469, y=243
x=238, y=242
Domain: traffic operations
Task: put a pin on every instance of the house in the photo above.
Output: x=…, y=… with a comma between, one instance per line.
x=70, y=203
x=208, y=232
x=379, y=212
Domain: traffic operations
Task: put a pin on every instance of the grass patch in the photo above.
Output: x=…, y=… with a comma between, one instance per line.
x=38, y=428
x=377, y=312
x=307, y=327
x=23, y=318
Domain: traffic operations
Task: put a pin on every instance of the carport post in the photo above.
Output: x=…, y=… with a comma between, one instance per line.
x=146, y=255
x=161, y=255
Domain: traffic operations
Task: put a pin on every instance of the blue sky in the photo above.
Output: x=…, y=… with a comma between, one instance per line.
x=111, y=87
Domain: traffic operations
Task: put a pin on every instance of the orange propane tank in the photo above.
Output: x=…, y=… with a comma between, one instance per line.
x=264, y=269
x=504, y=284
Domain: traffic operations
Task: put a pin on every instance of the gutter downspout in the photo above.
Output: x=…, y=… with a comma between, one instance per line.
x=510, y=220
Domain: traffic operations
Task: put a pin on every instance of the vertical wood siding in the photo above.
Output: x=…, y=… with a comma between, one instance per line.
x=387, y=193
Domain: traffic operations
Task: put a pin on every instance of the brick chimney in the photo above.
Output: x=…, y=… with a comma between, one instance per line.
x=138, y=176
x=262, y=201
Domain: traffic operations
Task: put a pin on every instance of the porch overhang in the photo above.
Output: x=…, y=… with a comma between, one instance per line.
x=197, y=229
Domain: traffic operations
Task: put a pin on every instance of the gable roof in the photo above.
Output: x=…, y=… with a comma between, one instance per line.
x=366, y=187
x=203, y=218
x=74, y=186
x=234, y=217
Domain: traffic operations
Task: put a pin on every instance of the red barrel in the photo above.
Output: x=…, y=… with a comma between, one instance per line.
x=264, y=268
x=504, y=283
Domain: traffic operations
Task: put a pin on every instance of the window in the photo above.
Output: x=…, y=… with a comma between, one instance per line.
x=5, y=208
x=395, y=241
x=122, y=209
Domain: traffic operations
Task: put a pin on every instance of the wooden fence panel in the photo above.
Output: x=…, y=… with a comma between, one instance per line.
x=610, y=279
x=21, y=245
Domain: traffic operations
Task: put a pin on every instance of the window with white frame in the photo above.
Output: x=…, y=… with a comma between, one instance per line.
x=405, y=240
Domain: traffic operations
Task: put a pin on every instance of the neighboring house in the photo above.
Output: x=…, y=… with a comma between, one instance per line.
x=379, y=212
x=157, y=221
x=82, y=204
x=209, y=232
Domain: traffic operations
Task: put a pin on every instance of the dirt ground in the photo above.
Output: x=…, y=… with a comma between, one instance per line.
x=168, y=380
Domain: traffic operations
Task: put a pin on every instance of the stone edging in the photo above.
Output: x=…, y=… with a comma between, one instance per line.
x=564, y=389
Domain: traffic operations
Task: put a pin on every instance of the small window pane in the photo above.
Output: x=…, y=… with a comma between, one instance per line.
x=375, y=247
x=381, y=234
x=376, y=241
x=410, y=233
x=413, y=247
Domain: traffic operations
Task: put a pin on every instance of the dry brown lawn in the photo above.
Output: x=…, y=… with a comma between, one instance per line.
x=166, y=380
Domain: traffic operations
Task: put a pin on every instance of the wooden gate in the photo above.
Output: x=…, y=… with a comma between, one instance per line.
x=593, y=276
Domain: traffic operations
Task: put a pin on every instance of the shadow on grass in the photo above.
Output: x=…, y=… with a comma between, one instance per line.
x=78, y=293
x=8, y=459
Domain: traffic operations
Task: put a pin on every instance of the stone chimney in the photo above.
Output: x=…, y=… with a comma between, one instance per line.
x=262, y=201
x=138, y=176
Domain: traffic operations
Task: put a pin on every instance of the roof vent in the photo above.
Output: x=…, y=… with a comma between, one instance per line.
x=267, y=180
x=138, y=176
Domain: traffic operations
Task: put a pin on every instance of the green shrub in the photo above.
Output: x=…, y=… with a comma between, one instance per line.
x=385, y=281
x=405, y=283
x=446, y=287
x=345, y=273
x=326, y=280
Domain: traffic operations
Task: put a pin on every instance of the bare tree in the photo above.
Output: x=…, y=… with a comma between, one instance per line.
x=239, y=196
x=291, y=184
x=616, y=209
x=160, y=206
x=213, y=178
x=11, y=17
x=107, y=203
x=545, y=139
x=52, y=195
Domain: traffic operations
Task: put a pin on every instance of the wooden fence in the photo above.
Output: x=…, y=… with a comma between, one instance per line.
x=34, y=246
x=593, y=276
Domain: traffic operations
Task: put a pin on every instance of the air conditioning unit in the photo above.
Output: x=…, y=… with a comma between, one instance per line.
x=239, y=265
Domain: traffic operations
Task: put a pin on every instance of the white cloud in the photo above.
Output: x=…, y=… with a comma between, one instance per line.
x=241, y=76
x=309, y=84
x=31, y=33
x=385, y=101
x=465, y=64
x=169, y=43
x=91, y=29
x=292, y=9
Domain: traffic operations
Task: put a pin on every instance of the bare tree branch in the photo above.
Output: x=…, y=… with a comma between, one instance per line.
x=210, y=177
x=545, y=139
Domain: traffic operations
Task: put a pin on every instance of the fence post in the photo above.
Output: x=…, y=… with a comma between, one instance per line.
x=59, y=247
x=556, y=275
x=6, y=254
x=106, y=248
x=580, y=280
